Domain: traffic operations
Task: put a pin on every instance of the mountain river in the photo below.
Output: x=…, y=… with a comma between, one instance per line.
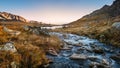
x=83, y=52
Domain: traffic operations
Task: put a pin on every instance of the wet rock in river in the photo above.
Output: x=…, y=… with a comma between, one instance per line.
x=93, y=58
x=66, y=53
x=66, y=47
x=94, y=65
x=98, y=50
x=109, y=50
x=78, y=44
x=105, y=62
x=93, y=46
x=69, y=43
x=52, y=51
x=106, y=49
x=116, y=57
x=78, y=56
x=65, y=36
x=70, y=46
x=81, y=48
x=98, y=65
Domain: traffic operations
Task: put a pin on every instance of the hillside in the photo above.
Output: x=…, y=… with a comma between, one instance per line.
x=105, y=14
x=102, y=24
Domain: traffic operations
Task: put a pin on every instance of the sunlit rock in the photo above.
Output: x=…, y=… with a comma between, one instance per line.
x=11, y=32
x=105, y=62
x=9, y=47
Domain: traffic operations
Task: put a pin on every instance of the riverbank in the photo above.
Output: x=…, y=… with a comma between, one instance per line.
x=28, y=49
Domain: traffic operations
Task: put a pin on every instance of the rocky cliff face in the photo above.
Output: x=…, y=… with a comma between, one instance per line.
x=4, y=16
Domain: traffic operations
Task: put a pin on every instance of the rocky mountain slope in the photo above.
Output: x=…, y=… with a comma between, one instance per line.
x=4, y=16
x=105, y=14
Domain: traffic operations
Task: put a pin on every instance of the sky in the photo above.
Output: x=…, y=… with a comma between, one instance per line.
x=52, y=11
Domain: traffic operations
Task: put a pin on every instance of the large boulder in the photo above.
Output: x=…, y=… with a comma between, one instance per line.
x=11, y=32
x=9, y=47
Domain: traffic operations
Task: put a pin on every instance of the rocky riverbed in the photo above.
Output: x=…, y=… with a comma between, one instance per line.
x=83, y=52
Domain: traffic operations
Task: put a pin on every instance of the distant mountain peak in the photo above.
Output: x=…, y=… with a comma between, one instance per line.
x=105, y=6
x=4, y=16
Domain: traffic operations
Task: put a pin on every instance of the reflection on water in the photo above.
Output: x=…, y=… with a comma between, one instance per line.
x=53, y=27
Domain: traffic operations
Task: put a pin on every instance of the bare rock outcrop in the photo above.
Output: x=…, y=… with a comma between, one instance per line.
x=4, y=16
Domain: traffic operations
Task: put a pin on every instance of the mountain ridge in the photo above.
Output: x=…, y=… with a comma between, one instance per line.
x=107, y=12
x=4, y=16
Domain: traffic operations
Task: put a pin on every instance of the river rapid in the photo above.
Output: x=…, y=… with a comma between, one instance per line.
x=83, y=52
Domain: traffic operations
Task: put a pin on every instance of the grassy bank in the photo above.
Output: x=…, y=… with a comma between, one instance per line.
x=31, y=48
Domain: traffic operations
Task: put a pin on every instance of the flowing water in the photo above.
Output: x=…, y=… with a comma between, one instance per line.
x=74, y=44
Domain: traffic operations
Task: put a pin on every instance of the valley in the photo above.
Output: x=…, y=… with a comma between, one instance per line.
x=92, y=41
